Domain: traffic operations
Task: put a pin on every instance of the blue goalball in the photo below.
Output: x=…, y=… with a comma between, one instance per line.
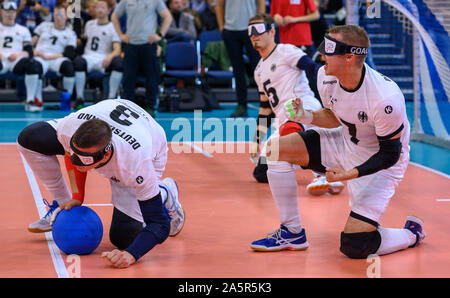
x=77, y=231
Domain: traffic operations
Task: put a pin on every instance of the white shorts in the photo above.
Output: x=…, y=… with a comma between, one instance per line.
x=52, y=64
x=94, y=62
x=9, y=65
x=369, y=195
x=123, y=197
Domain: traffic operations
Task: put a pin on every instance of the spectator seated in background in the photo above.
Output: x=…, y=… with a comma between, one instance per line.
x=15, y=42
x=192, y=9
x=198, y=5
x=55, y=49
x=101, y=53
x=30, y=13
x=208, y=17
x=182, y=27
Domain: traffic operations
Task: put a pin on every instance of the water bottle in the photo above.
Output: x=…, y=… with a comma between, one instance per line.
x=65, y=98
x=174, y=100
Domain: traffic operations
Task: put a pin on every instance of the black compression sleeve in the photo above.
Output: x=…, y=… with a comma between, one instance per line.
x=156, y=230
x=386, y=157
x=309, y=66
x=69, y=52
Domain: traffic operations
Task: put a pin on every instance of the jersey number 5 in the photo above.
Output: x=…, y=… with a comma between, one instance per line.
x=271, y=91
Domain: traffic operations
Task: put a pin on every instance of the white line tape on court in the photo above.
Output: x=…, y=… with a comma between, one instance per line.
x=58, y=261
x=200, y=150
x=431, y=170
x=443, y=200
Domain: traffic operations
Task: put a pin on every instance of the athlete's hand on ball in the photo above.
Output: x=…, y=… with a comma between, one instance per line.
x=69, y=204
x=334, y=174
x=295, y=112
x=119, y=258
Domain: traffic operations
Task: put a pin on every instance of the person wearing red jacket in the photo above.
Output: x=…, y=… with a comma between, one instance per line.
x=293, y=17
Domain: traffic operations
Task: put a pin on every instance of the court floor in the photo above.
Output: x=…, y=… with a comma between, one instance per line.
x=225, y=211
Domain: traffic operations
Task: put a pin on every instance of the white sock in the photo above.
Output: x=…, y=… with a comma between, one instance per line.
x=114, y=82
x=68, y=84
x=48, y=170
x=285, y=191
x=39, y=90
x=31, y=84
x=80, y=83
x=393, y=240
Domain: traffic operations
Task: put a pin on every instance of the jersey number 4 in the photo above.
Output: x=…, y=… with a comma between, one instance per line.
x=271, y=91
x=351, y=131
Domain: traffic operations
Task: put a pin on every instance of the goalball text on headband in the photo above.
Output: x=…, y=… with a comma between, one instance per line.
x=331, y=46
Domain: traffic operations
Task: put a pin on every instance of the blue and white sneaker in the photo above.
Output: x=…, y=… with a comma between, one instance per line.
x=281, y=239
x=415, y=225
x=173, y=205
x=45, y=223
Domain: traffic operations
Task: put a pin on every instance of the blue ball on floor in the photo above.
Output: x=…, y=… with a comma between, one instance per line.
x=77, y=231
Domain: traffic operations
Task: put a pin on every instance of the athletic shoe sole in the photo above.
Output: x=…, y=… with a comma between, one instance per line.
x=318, y=190
x=335, y=189
x=184, y=213
x=293, y=247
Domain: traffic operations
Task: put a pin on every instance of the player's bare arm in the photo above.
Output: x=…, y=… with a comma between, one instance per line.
x=322, y=118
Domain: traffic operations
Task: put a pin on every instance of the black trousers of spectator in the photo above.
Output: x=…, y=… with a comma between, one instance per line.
x=235, y=41
x=141, y=59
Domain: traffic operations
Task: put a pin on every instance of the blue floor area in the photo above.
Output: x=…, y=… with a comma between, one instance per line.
x=214, y=126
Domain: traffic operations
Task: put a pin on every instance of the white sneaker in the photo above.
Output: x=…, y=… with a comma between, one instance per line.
x=44, y=224
x=31, y=106
x=336, y=187
x=319, y=186
x=173, y=206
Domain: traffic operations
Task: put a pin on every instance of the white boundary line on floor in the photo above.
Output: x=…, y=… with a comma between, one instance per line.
x=58, y=261
x=430, y=169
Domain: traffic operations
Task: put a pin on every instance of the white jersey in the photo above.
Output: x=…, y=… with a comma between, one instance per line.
x=137, y=141
x=374, y=111
x=279, y=78
x=100, y=38
x=52, y=40
x=12, y=38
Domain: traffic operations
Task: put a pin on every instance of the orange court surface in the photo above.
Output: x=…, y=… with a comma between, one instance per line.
x=225, y=211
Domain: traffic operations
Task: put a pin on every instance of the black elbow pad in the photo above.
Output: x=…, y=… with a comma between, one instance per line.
x=69, y=52
x=29, y=49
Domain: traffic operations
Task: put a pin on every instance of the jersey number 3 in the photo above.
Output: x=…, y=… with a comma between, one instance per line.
x=121, y=114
